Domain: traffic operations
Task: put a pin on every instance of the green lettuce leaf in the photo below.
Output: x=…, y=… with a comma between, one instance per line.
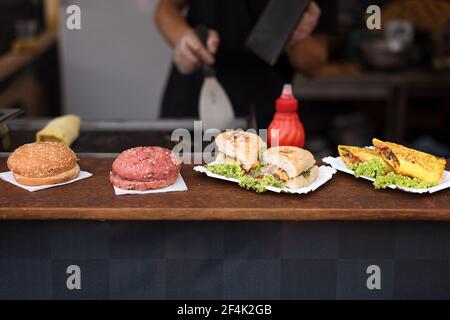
x=378, y=170
x=253, y=181
x=371, y=169
x=260, y=184
x=233, y=171
x=381, y=182
x=307, y=173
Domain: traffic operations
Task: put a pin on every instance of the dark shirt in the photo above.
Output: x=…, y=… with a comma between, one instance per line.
x=248, y=81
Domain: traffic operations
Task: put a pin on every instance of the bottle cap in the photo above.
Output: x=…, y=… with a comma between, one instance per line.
x=287, y=102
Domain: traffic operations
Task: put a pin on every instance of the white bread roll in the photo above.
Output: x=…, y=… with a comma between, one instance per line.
x=244, y=146
x=301, y=182
x=293, y=160
x=223, y=159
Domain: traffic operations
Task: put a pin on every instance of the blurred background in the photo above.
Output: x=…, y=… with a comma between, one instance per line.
x=393, y=83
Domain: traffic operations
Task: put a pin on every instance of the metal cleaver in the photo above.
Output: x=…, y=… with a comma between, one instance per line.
x=271, y=33
x=215, y=108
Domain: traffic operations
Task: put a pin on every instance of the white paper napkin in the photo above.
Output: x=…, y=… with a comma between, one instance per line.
x=338, y=164
x=178, y=186
x=325, y=174
x=8, y=177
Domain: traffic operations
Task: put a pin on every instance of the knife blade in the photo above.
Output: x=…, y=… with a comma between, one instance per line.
x=215, y=108
x=7, y=114
x=271, y=33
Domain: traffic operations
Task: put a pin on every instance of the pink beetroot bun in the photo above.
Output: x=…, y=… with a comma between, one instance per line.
x=145, y=168
x=141, y=186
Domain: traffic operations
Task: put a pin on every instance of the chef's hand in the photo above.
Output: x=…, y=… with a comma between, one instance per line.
x=190, y=54
x=307, y=25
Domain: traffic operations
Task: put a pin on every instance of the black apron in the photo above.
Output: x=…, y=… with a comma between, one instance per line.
x=249, y=82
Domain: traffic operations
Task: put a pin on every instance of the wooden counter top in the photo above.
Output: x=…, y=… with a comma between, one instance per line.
x=343, y=198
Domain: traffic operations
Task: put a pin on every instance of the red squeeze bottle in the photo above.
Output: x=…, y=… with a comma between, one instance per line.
x=286, y=127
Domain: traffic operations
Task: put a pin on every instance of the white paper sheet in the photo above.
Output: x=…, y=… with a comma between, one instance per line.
x=8, y=177
x=338, y=164
x=178, y=186
x=325, y=174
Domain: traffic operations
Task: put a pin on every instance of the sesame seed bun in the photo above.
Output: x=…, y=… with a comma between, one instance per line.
x=145, y=168
x=43, y=163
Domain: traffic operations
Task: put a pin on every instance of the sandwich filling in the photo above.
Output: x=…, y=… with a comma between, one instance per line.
x=254, y=179
x=277, y=172
x=350, y=156
x=281, y=174
x=389, y=155
x=260, y=177
x=223, y=159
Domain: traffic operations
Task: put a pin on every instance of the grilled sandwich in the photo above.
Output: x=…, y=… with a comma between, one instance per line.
x=241, y=148
x=294, y=166
x=410, y=162
x=356, y=155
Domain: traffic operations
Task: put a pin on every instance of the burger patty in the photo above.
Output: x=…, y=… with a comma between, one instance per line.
x=147, y=164
x=125, y=184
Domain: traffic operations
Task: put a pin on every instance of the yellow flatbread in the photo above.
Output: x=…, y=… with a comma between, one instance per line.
x=354, y=155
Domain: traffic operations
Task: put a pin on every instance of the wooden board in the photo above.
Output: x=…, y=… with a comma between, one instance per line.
x=343, y=198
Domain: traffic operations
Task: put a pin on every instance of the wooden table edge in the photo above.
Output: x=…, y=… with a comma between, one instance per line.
x=224, y=214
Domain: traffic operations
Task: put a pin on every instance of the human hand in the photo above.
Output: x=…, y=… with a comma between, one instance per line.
x=307, y=24
x=190, y=53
